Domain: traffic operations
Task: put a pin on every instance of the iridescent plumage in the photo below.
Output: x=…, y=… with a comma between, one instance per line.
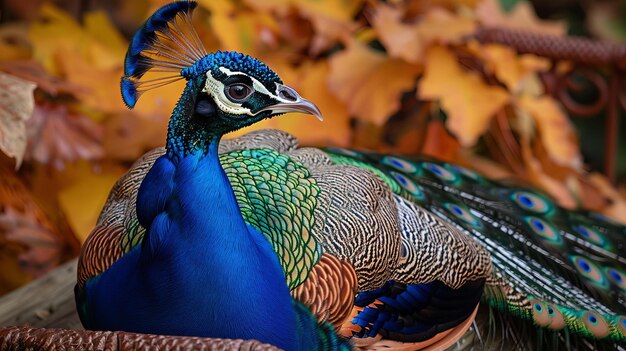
x=305, y=248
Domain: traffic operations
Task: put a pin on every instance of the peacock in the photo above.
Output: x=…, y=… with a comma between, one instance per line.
x=328, y=249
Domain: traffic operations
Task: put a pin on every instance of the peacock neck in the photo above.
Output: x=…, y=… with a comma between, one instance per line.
x=207, y=238
x=188, y=133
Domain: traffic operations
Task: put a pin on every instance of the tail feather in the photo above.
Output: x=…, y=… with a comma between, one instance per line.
x=553, y=269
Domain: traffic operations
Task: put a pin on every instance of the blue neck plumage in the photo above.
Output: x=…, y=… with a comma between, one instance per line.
x=197, y=235
x=185, y=134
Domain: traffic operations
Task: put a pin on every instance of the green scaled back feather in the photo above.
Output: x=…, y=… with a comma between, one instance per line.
x=284, y=185
x=287, y=186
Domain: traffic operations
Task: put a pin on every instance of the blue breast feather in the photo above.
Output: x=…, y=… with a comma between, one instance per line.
x=210, y=273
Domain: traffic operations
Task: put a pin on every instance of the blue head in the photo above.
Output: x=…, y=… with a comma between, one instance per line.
x=225, y=91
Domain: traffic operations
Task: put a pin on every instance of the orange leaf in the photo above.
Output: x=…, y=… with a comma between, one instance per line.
x=14, y=44
x=522, y=17
x=369, y=82
x=556, y=131
x=469, y=102
x=439, y=143
x=16, y=106
x=407, y=41
x=509, y=67
x=445, y=27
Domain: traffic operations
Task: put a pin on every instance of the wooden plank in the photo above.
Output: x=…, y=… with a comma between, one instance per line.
x=46, y=302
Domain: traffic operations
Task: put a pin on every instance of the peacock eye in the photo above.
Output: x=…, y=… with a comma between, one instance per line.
x=238, y=92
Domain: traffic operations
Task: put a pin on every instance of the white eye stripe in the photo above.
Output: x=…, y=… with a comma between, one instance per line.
x=215, y=89
x=256, y=85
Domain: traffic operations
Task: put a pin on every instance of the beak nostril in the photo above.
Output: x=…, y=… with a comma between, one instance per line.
x=287, y=95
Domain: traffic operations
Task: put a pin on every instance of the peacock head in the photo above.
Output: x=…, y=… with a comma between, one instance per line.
x=225, y=90
x=237, y=90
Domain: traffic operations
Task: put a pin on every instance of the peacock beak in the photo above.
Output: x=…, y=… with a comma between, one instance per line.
x=291, y=101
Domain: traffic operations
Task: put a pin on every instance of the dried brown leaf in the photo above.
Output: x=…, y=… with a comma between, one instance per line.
x=56, y=136
x=16, y=107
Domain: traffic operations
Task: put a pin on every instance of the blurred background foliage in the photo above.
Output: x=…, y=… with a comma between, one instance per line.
x=396, y=76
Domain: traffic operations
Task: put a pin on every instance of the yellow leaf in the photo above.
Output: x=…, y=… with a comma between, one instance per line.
x=337, y=10
x=407, y=41
x=81, y=210
x=521, y=17
x=469, y=102
x=100, y=86
x=401, y=40
x=109, y=47
x=369, y=82
x=509, y=67
x=16, y=106
x=55, y=29
x=445, y=27
x=556, y=131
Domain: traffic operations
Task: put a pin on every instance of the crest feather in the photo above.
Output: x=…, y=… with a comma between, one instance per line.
x=167, y=42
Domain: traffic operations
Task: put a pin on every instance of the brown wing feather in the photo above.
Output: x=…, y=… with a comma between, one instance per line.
x=329, y=290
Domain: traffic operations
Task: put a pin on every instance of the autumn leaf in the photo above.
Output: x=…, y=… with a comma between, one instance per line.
x=30, y=242
x=439, y=143
x=244, y=31
x=33, y=71
x=556, y=131
x=617, y=205
x=509, y=67
x=369, y=82
x=521, y=17
x=332, y=20
x=83, y=211
x=468, y=101
x=57, y=136
x=14, y=43
x=408, y=41
x=16, y=107
x=335, y=10
x=540, y=178
x=127, y=136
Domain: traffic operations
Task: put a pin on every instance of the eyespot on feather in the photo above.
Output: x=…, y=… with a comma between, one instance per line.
x=617, y=277
x=557, y=322
x=462, y=213
x=595, y=324
x=440, y=172
x=399, y=164
x=541, y=317
x=591, y=235
x=531, y=202
x=590, y=271
x=544, y=229
x=409, y=185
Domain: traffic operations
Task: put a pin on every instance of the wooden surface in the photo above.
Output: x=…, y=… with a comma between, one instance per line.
x=47, y=302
